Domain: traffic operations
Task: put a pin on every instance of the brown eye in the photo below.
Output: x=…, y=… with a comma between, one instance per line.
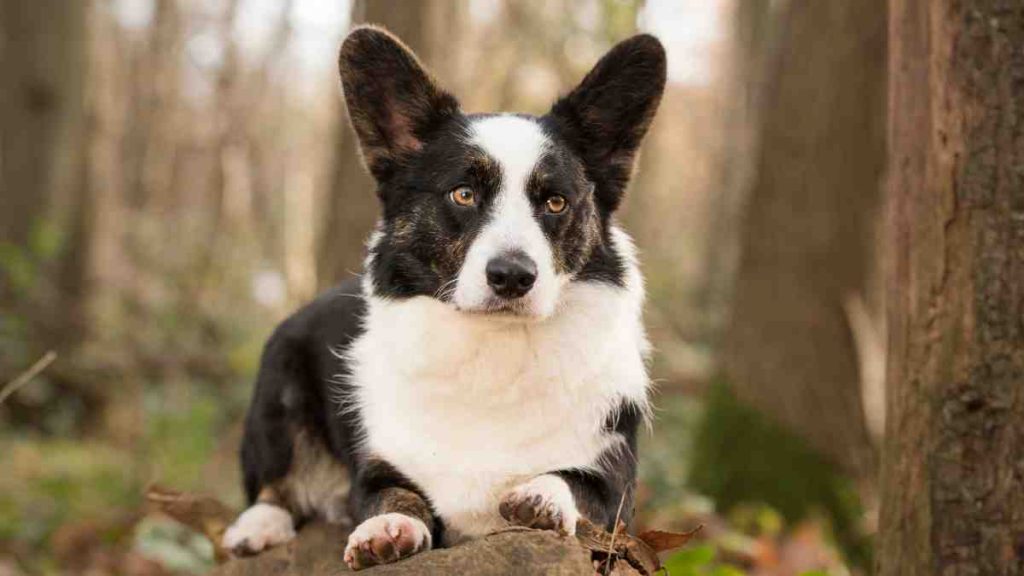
x=463, y=196
x=556, y=204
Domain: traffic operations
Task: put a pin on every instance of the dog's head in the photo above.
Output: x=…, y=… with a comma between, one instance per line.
x=496, y=213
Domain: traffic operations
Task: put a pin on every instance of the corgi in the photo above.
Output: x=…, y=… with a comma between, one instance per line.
x=488, y=368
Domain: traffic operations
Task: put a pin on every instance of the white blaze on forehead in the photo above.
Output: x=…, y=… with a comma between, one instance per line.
x=516, y=145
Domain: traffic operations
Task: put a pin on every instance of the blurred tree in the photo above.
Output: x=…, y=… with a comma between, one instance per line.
x=42, y=127
x=156, y=66
x=807, y=234
x=431, y=29
x=42, y=108
x=952, y=463
x=755, y=29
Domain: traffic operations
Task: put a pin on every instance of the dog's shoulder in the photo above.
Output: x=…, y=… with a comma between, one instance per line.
x=334, y=317
x=313, y=340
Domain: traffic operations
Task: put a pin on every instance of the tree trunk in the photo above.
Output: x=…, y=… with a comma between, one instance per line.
x=42, y=152
x=41, y=103
x=752, y=53
x=953, y=463
x=426, y=26
x=789, y=350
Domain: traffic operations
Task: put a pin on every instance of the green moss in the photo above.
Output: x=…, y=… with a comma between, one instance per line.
x=181, y=435
x=691, y=561
x=49, y=482
x=741, y=457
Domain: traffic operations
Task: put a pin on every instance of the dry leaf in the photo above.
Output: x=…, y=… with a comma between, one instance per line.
x=661, y=540
x=640, y=553
x=203, y=514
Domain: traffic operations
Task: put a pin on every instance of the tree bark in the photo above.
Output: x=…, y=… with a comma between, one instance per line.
x=953, y=462
x=425, y=26
x=789, y=351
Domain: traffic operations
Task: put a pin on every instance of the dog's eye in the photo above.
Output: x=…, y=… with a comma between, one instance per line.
x=556, y=204
x=463, y=196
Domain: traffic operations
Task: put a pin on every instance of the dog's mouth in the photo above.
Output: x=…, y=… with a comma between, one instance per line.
x=517, y=309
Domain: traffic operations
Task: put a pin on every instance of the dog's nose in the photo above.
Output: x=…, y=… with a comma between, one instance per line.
x=511, y=275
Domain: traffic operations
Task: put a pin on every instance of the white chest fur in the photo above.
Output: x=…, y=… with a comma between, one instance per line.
x=468, y=406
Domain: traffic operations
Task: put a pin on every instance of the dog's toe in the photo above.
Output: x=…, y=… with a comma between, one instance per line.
x=544, y=502
x=385, y=538
x=258, y=528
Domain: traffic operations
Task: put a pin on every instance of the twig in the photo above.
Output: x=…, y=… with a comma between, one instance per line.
x=24, y=378
x=869, y=339
x=615, y=529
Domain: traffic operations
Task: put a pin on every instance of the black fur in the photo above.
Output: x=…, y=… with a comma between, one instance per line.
x=605, y=118
x=294, y=389
x=609, y=493
x=393, y=103
x=413, y=141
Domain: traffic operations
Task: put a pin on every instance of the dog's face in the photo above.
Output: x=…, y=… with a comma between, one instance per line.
x=496, y=214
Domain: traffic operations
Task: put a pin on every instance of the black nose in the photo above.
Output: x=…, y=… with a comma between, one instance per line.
x=511, y=275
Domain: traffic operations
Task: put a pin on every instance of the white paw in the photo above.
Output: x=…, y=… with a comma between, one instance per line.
x=385, y=538
x=544, y=502
x=259, y=528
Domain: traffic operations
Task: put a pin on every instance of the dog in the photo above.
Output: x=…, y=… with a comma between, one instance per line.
x=488, y=368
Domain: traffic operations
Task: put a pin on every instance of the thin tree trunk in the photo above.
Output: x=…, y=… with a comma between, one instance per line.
x=953, y=463
x=428, y=27
x=789, y=350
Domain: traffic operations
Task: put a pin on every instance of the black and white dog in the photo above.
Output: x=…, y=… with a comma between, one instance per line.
x=489, y=368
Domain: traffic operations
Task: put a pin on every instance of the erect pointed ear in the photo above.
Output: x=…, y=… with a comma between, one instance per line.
x=393, y=103
x=605, y=118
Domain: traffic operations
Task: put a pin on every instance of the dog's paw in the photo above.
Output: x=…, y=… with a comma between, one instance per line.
x=544, y=502
x=259, y=528
x=385, y=538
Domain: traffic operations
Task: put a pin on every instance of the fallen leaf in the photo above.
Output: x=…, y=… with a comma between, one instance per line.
x=203, y=514
x=661, y=540
x=640, y=553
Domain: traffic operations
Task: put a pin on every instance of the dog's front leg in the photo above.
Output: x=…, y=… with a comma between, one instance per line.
x=557, y=500
x=545, y=502
x=603, y=494
x=395, y=520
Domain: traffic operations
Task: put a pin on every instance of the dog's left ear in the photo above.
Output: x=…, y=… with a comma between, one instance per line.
x=393, y=102
x=605, y=118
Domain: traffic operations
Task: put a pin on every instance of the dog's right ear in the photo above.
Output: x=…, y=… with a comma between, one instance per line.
x=393, y=103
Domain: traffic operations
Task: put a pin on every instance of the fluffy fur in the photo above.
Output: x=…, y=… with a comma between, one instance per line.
x=472, y=407
x=423, y=401
x=258, y=528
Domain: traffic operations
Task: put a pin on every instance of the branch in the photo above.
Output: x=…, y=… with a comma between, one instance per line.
x=26, y=376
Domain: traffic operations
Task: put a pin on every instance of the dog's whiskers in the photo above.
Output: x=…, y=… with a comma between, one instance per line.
x=446, y=290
